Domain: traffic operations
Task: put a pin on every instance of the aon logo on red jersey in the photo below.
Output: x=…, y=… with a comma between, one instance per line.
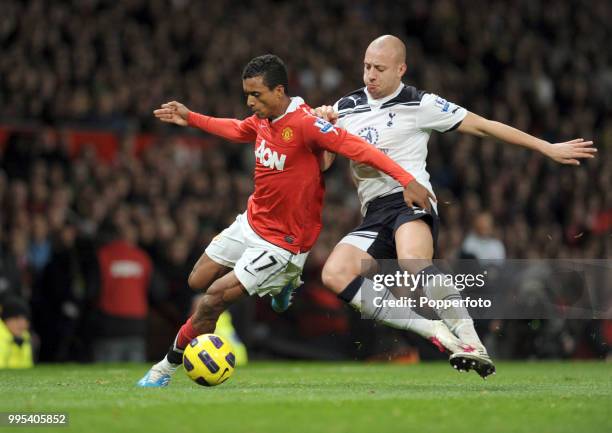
x=270, y=158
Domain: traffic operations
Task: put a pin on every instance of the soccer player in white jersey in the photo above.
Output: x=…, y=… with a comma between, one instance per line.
x=398, y=119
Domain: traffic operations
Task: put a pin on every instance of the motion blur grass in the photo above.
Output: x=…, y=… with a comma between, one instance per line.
x=321, y=397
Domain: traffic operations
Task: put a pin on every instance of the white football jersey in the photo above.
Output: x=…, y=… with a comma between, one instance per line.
x=399, y=125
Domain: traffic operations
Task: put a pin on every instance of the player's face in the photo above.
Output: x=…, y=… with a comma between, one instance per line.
x=263, y=101
x=382, y=72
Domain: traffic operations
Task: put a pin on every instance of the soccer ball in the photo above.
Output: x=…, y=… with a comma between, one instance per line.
x=209, y=360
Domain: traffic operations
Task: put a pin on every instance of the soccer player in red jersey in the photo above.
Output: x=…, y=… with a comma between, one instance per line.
x=264, y=250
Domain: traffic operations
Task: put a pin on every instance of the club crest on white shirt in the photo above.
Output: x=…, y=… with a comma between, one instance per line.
x=369, y=134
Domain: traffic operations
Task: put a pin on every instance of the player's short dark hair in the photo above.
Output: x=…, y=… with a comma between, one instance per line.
x=271, y=68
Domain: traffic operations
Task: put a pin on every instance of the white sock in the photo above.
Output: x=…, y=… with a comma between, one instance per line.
x=456, y=318
x=464, y=329
x=413, y=322
x=166, y=366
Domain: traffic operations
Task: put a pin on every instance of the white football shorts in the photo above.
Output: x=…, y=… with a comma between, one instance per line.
x=262, y=267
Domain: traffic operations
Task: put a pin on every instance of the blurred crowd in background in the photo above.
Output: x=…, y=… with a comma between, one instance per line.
x=541, y=66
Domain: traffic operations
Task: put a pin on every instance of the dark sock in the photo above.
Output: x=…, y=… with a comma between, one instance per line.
x=351, y=290
x=184, y=336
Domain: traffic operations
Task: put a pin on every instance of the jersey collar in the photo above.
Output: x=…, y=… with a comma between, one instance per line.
x=378, y=102
x=296, y=101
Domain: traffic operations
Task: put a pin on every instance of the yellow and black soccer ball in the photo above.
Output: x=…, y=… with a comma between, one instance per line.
x=209, y=360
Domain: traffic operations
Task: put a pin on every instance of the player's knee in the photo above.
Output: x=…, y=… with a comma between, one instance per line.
x=200, y=278
x=336, y=275
x=193, y=281
x=413, y=262
x=205, y=272
x=327, y=275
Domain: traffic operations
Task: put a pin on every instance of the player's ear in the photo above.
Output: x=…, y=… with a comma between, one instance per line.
x=402, y=69
x=280, y=90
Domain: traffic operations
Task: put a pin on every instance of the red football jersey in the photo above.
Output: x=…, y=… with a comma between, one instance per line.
x=285, y=207
x=125, y=276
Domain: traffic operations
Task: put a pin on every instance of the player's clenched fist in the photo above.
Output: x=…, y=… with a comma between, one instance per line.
x=326, y=112
x=173, y=112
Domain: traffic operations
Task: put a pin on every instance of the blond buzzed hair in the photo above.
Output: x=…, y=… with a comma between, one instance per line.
x=390, y=42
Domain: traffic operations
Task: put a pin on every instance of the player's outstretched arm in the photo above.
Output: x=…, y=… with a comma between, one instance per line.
x=173, y=112
x=415, y=194
x=324, y=135
x=240, y=131
x=357, y=149
x=569, y=152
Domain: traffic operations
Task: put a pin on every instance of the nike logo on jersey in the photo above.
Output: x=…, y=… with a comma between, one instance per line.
x=270, y=158
x=354, y=99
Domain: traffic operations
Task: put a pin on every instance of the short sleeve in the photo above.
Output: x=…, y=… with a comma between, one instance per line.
x=439, y=114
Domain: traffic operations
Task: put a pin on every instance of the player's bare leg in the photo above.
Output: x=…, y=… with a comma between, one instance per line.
x=414, y=243
x=222, y=288
x=344, y=273
x=219, y=296
x=205, y=272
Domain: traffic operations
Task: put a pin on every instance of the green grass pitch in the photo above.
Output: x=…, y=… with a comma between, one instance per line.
x=541, y=397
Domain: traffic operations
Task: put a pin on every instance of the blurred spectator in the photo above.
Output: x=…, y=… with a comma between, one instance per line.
x=39, y=252
x=172, y=306
x=10, y=278
x=175, y=268
x=481, y=242
x=125, y=276
x=59, y=298
x=15, y=344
